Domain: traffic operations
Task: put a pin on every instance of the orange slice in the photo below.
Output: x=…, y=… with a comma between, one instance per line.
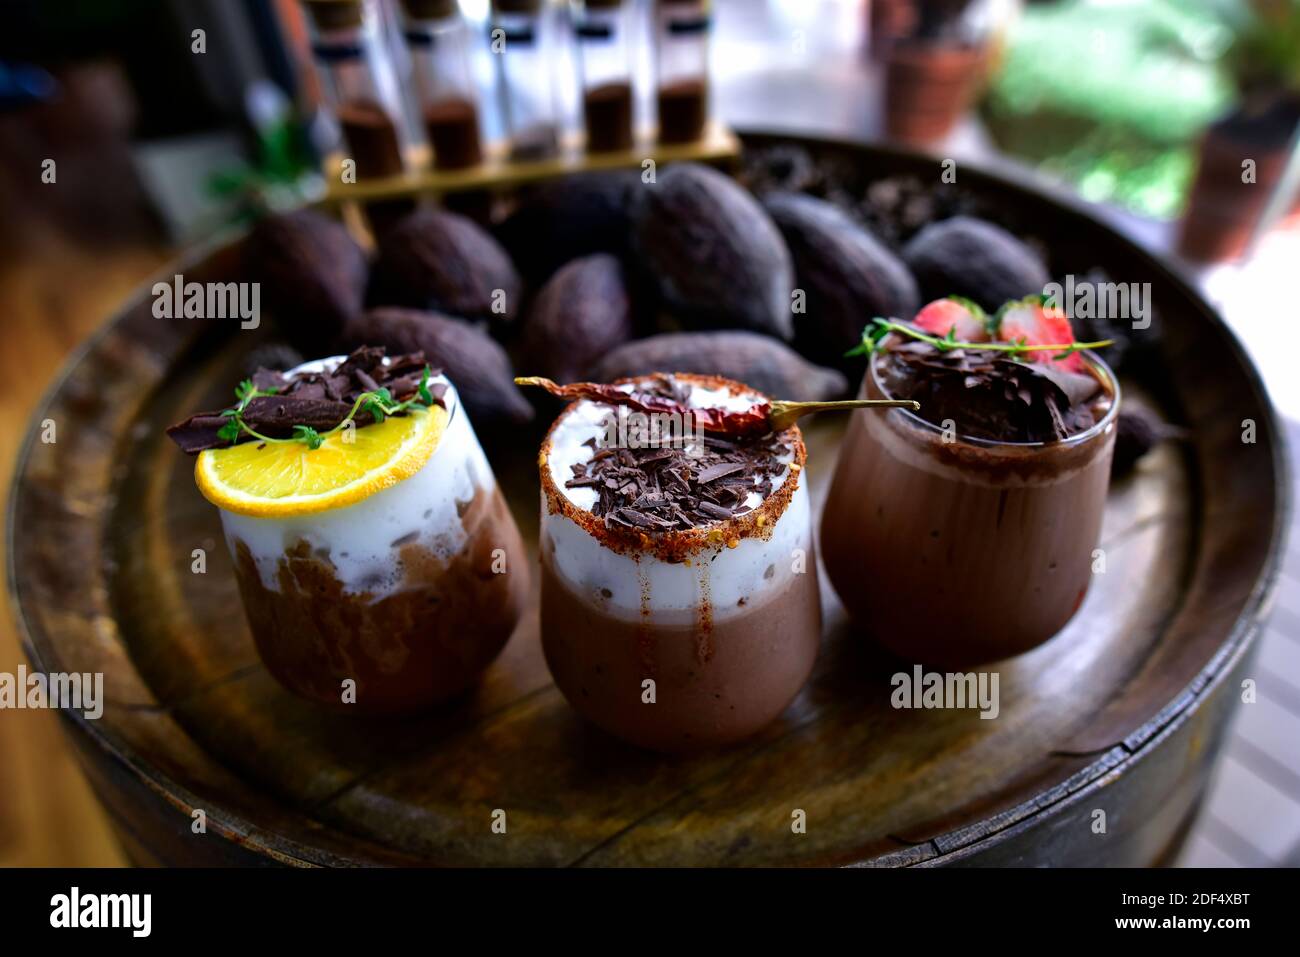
x=278, y=479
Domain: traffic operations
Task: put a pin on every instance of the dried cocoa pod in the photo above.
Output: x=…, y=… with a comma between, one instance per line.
x=1138, y=430
x=581, y=313
x=312, y=274
x=271, y=355
x=848, y=276
x=442, y=261
x=473, y=361
x=566, y=218
x=781, y=167
x=964, y=256
x=759, y=361
x=716, y=256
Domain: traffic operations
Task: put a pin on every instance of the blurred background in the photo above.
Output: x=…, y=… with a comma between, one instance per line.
x=1132, y=105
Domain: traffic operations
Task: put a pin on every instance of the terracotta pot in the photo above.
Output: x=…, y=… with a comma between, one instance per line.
x=928, y=87
x=1224, y=208
x=889, y=21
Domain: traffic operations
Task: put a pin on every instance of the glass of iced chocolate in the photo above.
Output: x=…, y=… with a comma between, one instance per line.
x=379, y=566
x=680, y=607
x=965, y=533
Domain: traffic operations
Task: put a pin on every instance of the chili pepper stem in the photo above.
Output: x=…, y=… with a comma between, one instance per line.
x=785, y=414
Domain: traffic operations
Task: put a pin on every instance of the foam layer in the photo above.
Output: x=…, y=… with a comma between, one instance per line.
x=718, y=578
x=625, y=584
x=362, y=540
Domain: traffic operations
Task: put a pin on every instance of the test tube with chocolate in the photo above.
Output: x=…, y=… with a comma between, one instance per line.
x=438, y=39
x=358, y=76
x=682, y=62
x=604, y=57
x=521, y=40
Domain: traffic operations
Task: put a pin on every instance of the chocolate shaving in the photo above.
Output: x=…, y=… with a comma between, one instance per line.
x=990, y=396
x=318, y=400
x=661, y=483
x=721, y=470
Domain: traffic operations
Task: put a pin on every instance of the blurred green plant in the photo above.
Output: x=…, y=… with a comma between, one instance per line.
x=1264, y=58
x=1111, y=96
x=284, y=173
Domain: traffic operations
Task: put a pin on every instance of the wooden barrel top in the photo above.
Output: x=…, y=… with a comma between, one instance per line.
x=104, y=521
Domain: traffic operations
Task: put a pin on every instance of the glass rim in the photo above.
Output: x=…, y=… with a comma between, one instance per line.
x=1079, y=438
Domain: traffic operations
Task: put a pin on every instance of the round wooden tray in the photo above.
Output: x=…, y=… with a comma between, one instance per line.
x=1122, y=712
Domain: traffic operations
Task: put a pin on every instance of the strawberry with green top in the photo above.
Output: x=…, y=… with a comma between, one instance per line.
x=1031, y=322
x=1025, y=330
x=954, y=317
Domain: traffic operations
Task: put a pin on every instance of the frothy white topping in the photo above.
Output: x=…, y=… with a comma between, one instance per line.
x=726, y=579
x=363, y=540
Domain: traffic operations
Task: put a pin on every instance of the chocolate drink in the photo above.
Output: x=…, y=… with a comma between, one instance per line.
x=958, y=550
x=608, y=112
x=372, y=142
x=410, y=592
x=679, y=606
x=713, y=687
x=534, y=142
x=371, y=138
x=682, y=109
x=421, y=642
x=452, y=128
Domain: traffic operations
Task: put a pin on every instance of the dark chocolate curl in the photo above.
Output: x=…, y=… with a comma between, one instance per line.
x=311, y=399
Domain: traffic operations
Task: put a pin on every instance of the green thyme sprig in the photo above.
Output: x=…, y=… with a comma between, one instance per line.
x=878, y=329
x=379, y=403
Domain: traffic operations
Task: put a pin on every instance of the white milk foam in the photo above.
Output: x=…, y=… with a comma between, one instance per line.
x=359, y=540
x=724, y=576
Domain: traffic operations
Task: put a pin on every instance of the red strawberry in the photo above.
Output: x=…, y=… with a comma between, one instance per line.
x=1028, y=320
x=965, y=318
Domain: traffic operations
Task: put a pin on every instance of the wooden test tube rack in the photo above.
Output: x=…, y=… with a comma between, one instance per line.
x=497, y=172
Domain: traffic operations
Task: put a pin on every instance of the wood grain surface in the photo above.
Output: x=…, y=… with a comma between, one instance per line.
x=48, y=814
